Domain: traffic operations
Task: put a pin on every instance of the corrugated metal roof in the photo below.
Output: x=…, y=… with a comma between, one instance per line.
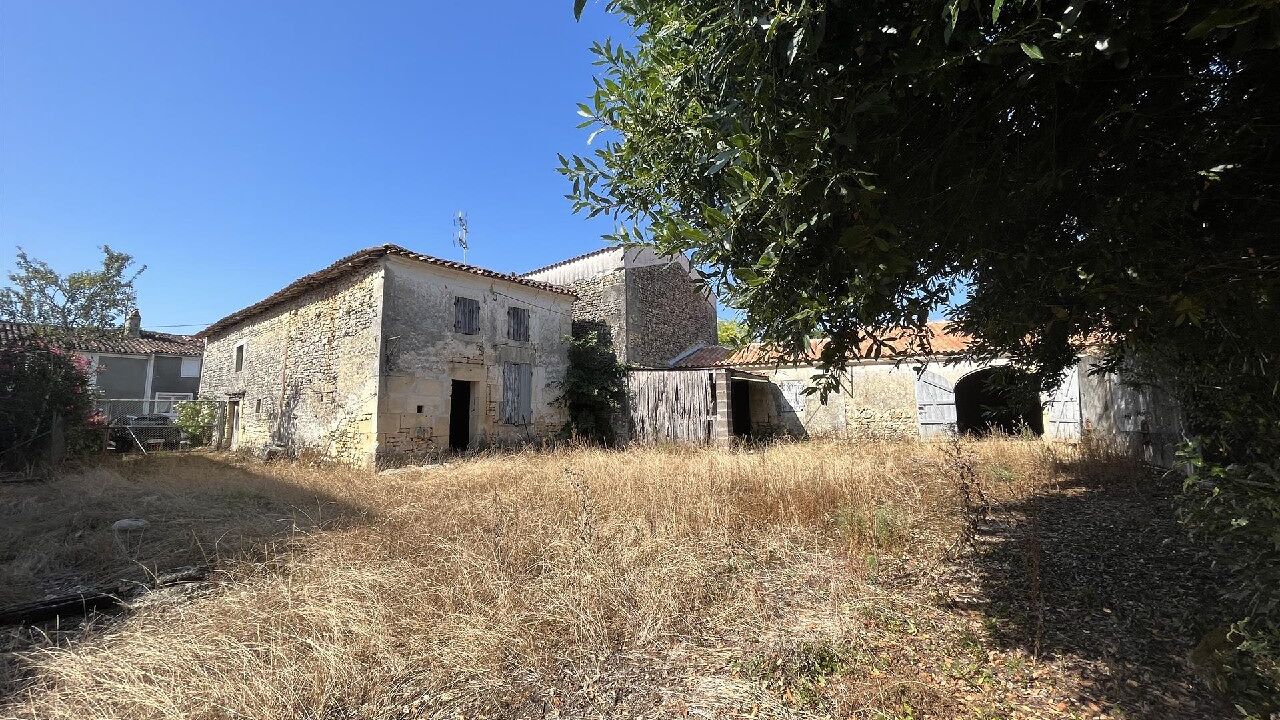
x=941, y=342
x=148, y=342
x=350, y=264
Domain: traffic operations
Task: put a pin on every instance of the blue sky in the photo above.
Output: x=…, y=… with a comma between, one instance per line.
x=234, y=146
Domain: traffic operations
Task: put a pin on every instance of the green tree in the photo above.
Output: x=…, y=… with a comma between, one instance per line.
x=1099, y=170
x=732, y=333
x=80, y=303
x=594, y=390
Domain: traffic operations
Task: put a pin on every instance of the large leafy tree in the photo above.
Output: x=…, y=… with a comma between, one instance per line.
x=1088, y=169
x=80, y=302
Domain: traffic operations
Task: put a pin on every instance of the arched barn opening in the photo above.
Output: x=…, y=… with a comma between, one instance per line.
x=997, y=399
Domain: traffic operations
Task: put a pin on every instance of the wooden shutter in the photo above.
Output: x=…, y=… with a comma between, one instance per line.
x=935, y=405
x=518, y=324
x=466, y=316
x=517, y=393
x=1063, y=408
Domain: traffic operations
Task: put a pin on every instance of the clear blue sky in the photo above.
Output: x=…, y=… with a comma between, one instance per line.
x=234, y=146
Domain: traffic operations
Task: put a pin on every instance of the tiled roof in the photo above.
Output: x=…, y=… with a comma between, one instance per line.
x=709, y=356
x=941, y=342
x=566, y=261
x=350, y=264
x=148, y=341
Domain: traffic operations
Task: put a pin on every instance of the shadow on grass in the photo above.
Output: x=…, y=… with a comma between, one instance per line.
x=57, y=537
x=1100, y=577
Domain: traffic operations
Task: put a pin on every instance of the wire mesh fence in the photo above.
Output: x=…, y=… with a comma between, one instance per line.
x=148, y=425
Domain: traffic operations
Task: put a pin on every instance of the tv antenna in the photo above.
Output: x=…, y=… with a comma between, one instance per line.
x=460, y=234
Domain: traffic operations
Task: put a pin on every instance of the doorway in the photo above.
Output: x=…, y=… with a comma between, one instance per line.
x=740, y=407
x=233, y=417
x=459, y=415
x=998, y=399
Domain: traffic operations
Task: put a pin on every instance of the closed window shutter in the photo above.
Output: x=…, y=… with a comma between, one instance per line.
x=518, y=324
x=517, y=393
x=466, y=316
x=526, y=394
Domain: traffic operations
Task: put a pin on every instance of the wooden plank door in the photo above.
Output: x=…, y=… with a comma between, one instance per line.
x=935, y=405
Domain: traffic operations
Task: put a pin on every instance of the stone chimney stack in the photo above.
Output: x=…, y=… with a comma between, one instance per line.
x=133, y=323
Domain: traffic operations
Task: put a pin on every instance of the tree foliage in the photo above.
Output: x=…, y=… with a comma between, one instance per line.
x=594, y=389
x=732, y=333
x=81, y=302
x=1098, y=170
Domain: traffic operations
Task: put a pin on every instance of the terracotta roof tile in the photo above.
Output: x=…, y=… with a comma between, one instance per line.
x=709, y=356
x=148, y=341
x=350, y=264
x=941, y=342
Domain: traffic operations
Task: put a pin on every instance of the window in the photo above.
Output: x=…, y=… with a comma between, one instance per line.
x=518, y=324
x=239, y=357
x=517, y=393
x=466, y=316
x=257, y=407
x=190, y=367
x=167, y=403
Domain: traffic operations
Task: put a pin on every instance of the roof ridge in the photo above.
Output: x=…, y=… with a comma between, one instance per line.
x=359, y=259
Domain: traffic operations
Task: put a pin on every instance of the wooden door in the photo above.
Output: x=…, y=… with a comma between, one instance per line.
x=935, y=405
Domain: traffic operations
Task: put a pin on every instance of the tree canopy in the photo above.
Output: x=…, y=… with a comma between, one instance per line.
x=1091, y=171
x=85, y=301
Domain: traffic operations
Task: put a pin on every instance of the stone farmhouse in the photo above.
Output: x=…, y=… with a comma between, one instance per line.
x=389, y=354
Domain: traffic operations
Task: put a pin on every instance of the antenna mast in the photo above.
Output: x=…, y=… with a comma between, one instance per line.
x=460, y=235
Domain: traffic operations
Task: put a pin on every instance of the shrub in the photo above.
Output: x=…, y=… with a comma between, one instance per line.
x=41, y=384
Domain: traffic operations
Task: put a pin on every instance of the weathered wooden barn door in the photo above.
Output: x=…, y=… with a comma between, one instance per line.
x=935, y=405
x=1062, y=408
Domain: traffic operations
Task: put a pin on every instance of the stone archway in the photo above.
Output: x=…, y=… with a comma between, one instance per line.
x=997, y=399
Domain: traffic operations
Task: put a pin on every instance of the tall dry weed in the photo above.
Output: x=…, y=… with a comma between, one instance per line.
x=583, y=582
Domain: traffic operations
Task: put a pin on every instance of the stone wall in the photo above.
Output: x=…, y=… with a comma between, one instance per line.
x=666, y=313
x=880, y=402
x=309, y=376
x=602, y=302
x=423, y=356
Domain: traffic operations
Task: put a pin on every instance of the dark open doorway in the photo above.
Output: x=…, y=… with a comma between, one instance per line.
x=998, y=399
x=460, y=415
x=740, y=407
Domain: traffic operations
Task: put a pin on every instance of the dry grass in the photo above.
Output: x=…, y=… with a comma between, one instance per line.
x=581, y=583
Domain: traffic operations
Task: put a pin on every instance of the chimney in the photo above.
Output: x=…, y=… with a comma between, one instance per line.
x=133, y=323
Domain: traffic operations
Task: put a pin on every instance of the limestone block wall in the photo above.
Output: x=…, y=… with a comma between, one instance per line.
x=880, y=402
x=422, y=355
x=666, y=314
x=309, y=374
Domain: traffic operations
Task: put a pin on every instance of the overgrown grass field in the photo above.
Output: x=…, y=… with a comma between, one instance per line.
x=815, y=579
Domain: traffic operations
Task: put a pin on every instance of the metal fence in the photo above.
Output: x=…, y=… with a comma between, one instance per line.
x=148, y=425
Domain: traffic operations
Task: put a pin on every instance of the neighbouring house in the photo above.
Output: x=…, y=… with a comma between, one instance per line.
x=389, y=355
x=152, y=370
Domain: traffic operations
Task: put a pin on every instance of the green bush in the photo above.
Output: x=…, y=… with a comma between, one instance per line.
x=40, y=384
x=196, y=418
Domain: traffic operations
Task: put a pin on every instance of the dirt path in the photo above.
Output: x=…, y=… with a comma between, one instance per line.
x=1098, y=582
